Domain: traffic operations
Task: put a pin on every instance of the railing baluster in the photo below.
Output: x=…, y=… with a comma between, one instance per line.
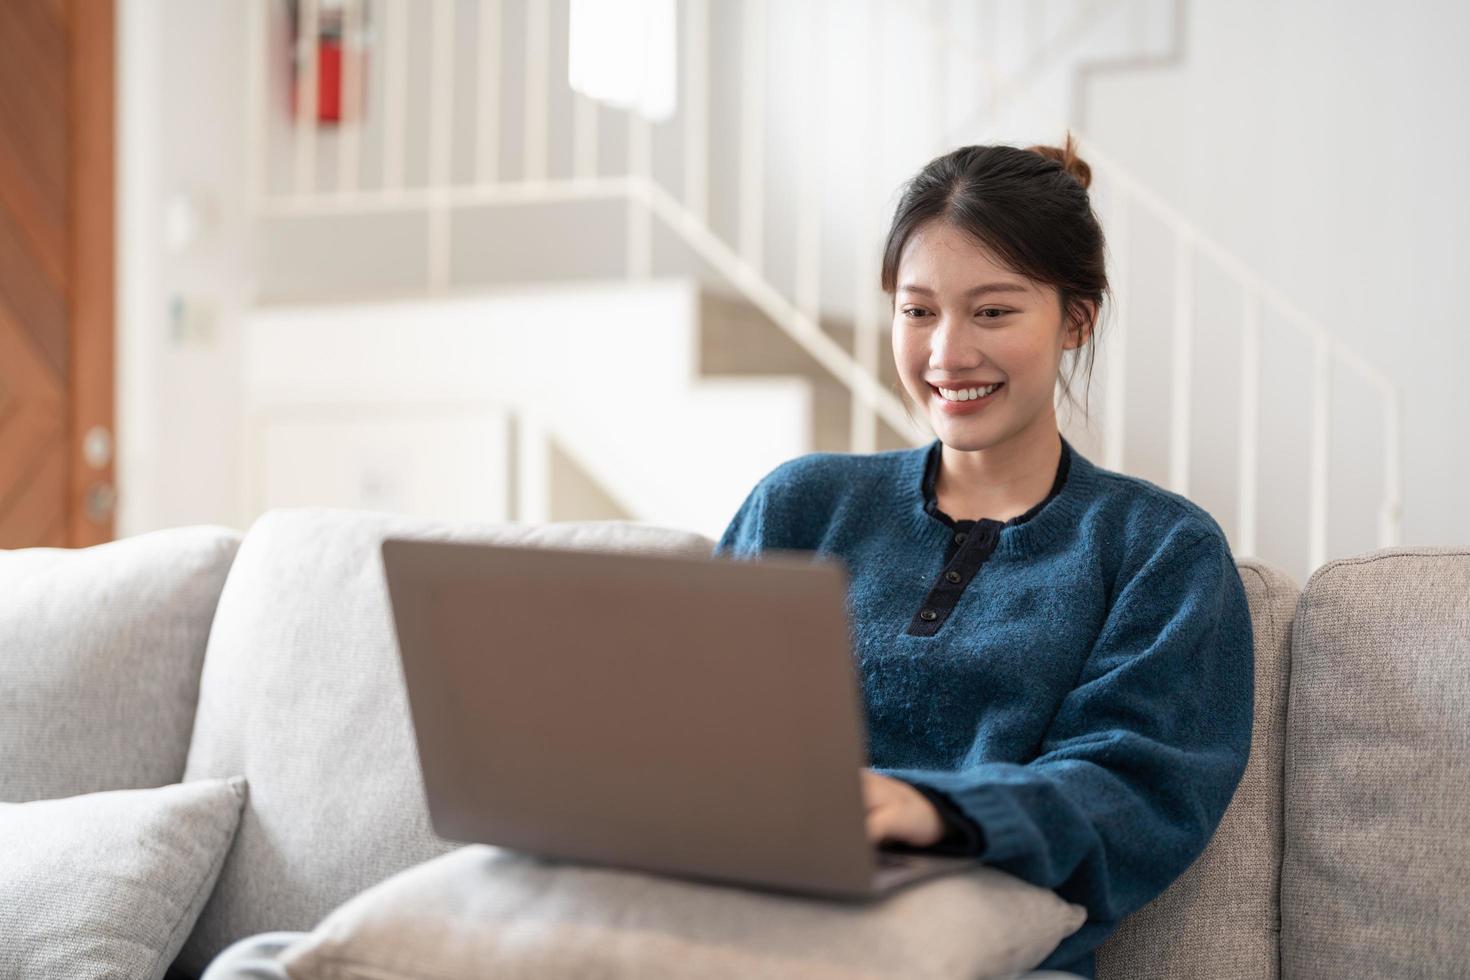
x=1116, y=353
x=584, y=136
x=752, y=132
x=1181, y=432
x=696, y=109
x=306, y=98
x=809, y=146
x=538, y=58
x=349, y=122
x=863, y=417
x=487, y=107
x=1248, y=459
x=1389, y=516
x=257, y=24
x=1321, y=406
x=640, y=217
x=441, y=115
x=395, y=81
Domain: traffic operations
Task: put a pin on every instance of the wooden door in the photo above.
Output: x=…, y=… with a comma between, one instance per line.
x=56, y=272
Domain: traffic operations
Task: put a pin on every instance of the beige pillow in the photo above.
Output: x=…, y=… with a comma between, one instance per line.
x=108, y=884
x=485, y=911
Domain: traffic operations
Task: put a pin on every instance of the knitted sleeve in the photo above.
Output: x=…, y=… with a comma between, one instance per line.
x=745, y=535
x=1144, y=754
x=962, y=836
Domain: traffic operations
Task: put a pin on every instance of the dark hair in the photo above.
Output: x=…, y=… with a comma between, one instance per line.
x=1027, y=206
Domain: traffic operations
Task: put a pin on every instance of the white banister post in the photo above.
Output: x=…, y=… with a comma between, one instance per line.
x=1180, y=431
x=1249, y=450
x=538, y=60
x=752, y=132
x=441, y=114
x=1321, y=409
x=696, y=109
x=1116, y=355
x=306, y=97
x=639, y=242
x=349, y=122
x=810, y=147
x=863, y=416
x=584, y=136
x=487, y=105
x=256, y=25
x=395, y=80
x=1389, y=528
x=939, y=58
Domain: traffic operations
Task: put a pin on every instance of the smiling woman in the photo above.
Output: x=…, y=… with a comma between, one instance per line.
x=1056, y=659
x=995, y=265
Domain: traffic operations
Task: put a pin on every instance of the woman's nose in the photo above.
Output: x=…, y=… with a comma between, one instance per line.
x=953, y=347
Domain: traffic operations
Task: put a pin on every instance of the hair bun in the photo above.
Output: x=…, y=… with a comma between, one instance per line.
x=1067, y=156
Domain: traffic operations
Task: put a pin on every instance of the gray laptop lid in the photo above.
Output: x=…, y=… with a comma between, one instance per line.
x=695, y=716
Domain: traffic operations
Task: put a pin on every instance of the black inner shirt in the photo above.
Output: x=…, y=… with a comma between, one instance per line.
x=970, y=544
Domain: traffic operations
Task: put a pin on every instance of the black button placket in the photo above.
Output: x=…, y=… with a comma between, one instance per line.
x=968, y=550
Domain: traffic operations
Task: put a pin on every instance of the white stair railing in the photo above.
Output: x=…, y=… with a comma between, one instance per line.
x=1258, y=297
x=743, y=264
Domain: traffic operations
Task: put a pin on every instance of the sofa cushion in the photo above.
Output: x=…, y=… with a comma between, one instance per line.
x=1219, y=918
x=1377, y=848
x=487, y=911
x=108, y=884
x=302, y=692
x=102, y=652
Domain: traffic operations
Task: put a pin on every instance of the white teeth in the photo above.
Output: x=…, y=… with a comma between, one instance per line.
x=965, y=394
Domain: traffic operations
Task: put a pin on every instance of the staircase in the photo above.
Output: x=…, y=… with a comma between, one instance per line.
x=764, y=319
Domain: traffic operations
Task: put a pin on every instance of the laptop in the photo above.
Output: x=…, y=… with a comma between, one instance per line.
x=698, y=717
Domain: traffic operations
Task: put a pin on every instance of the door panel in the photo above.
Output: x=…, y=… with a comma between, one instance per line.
x=56, y=271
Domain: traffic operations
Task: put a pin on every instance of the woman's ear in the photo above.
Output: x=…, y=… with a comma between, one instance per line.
x=1080, y=321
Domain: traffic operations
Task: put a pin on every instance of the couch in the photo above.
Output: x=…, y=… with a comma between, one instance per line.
x=1344, y=852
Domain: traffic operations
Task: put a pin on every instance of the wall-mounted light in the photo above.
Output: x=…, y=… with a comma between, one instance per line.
x=624, y=53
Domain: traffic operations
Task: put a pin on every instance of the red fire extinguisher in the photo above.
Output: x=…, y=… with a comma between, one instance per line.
x=341, y=58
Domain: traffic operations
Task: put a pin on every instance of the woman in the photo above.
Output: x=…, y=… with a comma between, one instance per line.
x=1056, y=659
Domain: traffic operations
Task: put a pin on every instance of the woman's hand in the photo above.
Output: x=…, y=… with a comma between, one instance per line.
x=898, y=812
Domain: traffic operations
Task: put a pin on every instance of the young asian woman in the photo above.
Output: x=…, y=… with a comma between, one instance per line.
x=1056, y=658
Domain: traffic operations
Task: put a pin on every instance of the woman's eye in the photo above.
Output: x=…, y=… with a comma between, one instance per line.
x=990, y=313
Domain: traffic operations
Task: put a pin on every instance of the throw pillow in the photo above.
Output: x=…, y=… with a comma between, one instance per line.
x=486, y=911
x=109, y=884
x=103, y=649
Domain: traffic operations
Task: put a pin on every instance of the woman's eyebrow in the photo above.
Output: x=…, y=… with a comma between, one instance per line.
x=985, y=287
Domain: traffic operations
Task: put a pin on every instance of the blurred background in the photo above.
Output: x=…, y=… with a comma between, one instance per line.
x=539, y=260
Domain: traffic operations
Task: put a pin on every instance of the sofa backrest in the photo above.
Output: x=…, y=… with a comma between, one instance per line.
x=302, y=692
x=1219, y=918
x=1375, y=879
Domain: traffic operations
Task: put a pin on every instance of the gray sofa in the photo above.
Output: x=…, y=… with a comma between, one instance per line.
x=1343, y=854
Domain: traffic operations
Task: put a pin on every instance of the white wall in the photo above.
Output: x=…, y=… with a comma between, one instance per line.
x=1326, y=143
x=180, y=93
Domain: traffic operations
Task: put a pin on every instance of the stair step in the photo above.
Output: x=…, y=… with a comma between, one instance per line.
x=737, y=339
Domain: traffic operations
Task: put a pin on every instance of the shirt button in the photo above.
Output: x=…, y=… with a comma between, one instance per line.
x=960, y=537
x=953, y=576
x=928, y=615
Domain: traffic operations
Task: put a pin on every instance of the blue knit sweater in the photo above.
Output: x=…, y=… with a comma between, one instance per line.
x=1076, y=684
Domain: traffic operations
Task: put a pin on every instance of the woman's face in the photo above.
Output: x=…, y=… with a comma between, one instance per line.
x=962, y=320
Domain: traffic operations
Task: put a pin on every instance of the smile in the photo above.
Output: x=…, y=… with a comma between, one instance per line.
x=971, y=400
